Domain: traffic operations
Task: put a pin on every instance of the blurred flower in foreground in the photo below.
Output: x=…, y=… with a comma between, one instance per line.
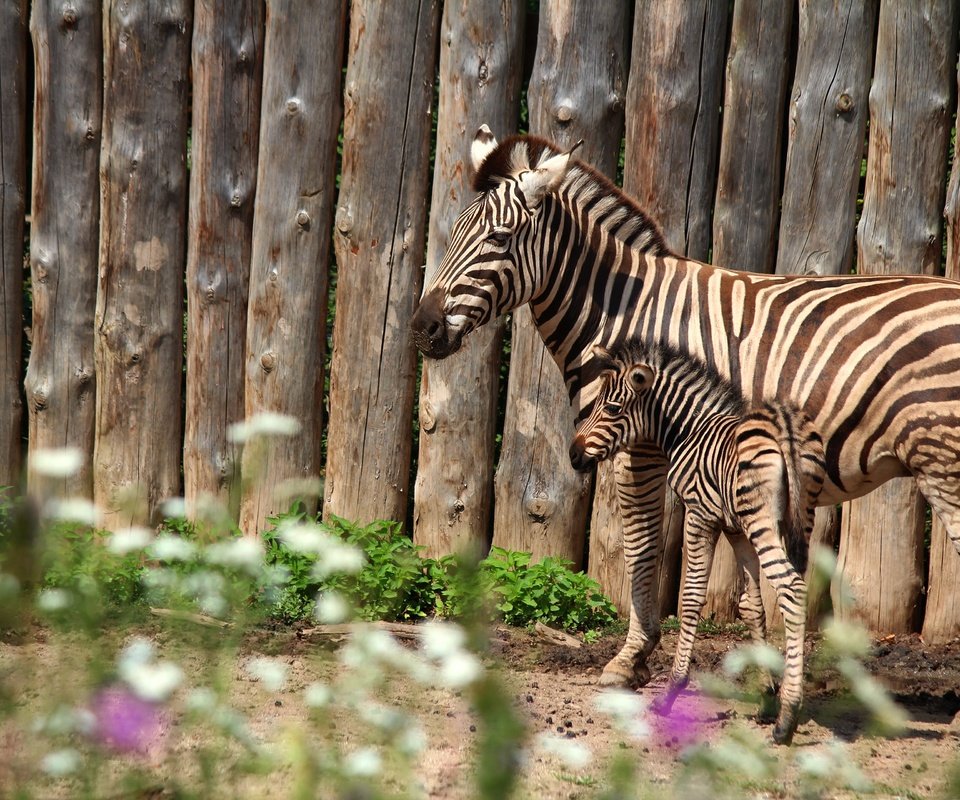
x=268, y=671
x=151, y=681
x=61, y=762
x=574, y=755
x=56, y=462
x=125, y=721
x=685, y=724
x=627, y=710
x=265, y=423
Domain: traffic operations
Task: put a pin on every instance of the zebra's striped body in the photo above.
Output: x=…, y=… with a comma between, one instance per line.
x=874, y=361
x=752, y=473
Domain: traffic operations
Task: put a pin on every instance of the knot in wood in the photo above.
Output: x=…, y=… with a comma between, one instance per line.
x=90, y=134
x=844, y=103
x=428, y=418
x=540, y=509
x=135, y=357
x=483, y=73
x=564, y=113
x=235, y=200
x=303, y=219
x=39, y=400
x=293, y=106
x=273, y=276
x=268, y=362
x=69, y=17
x=344, y=220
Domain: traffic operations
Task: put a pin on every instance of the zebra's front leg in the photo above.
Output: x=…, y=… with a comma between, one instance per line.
x=699, y=542
x=641, y=481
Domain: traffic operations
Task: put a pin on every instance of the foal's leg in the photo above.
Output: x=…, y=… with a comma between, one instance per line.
x=699, y=541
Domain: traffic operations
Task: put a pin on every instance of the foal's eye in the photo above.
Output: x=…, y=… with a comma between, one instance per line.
x=611, y=408
x=499, y=238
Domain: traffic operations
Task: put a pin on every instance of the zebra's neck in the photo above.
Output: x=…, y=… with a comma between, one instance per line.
x=589, y=259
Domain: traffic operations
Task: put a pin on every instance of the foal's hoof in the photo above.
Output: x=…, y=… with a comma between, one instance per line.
x=769, y=705
x=786, y=725
x=663, y=705
x=617, y=675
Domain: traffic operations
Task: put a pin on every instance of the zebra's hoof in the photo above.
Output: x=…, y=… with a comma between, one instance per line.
x=616, y=675
x=663, y=705
x=786, y=725
x=769, y=706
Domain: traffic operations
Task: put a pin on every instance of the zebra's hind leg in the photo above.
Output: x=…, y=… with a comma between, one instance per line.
x=754, y=617
x=699, y=541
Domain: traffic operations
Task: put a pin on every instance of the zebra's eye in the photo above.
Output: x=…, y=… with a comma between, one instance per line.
x=611, y=408
x=499, y=238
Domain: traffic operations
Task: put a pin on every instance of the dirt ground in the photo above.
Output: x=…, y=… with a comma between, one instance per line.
x=553, y=688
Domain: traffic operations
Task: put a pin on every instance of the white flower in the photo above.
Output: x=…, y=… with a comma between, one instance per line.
x=363, y=763
x=753, y=655
x=411, y=741
x=303, y=537
x=846, y=638
x=52, y=600
x=317, y=695
x=167, y=547
x=60, y=462
x=137, y=651
x=458, y=670
x=626, y=709
x=270, y=672
x=332, y=609
x=129, y=540
x=174, y=508
x=441, y=639
x=245, y=553
x=203, y=699
x=573, y=754
x=74, y=509
x=338, y=557
x=60, y=763
x=150, y=681
x=264, y=423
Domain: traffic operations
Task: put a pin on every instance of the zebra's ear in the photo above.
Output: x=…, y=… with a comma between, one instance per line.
x=547, y=177
x=640, y=377
x=484, y=143
x=603, y=358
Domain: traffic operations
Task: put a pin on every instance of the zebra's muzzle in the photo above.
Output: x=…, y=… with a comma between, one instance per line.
x=579, y=459
x=429, y=330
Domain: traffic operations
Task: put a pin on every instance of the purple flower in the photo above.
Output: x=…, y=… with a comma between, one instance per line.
x=686, y=724
x=126, y=722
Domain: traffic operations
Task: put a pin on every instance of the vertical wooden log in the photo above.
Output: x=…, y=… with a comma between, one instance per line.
x=827, y=123
x=881, y=545
x=143, y=207
x=65, y=232
x=227, y=76
x=672, y=130
x=941, y=616
x=576, y=91
x=13, y=193
x=293, y=214
x=381, y=232
x=481, y=68
x=745, y=217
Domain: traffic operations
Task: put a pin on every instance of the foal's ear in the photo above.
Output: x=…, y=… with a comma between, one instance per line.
x=547, y=177
x=603, y=358
x=484, y=143
x=640, y=377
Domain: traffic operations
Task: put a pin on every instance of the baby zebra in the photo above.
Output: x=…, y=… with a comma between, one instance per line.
x=749, y=472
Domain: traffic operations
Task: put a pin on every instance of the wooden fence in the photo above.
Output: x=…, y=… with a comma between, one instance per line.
x=184, y=164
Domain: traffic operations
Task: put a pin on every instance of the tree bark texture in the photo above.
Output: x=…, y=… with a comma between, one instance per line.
x=143, y=208
x=881, y=545
x=827, y=123
x=670, y=166
x=748, y=188
x=13, y=193
x=290, y=250
x=227, y=81
x=65, y=233
x=481, y=68
x=576, y=92
x=941, y=618
x=380, y=236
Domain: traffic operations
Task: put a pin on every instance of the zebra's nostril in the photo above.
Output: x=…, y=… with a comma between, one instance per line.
x=434, y=328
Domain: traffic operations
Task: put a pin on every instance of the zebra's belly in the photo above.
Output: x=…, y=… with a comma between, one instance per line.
x=857, y=484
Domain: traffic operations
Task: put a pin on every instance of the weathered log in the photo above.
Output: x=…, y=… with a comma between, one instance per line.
x=13, y=194
x=941, y=618
x=65, y=233
x=481, y=69
x=576, y=92
x=227, y=78
x=881, y=544
x=380, y=236
x=293, y=213
x=139, y=314
x=827, y=124
x=672, y=129
x=745, y=217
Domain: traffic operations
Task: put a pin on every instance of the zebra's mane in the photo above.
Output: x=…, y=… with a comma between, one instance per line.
x=518, y=153
x=664, y=358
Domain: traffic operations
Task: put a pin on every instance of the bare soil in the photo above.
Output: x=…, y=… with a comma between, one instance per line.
x=552, y=688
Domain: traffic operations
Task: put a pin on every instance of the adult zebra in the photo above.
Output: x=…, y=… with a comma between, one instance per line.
x=874, y=361
x=752, y=472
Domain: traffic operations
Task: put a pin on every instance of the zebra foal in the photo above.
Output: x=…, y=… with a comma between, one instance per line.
x=748, y=471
